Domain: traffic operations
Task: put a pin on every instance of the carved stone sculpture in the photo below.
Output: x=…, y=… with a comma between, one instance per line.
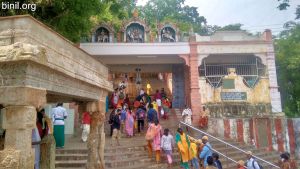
x=21, y=51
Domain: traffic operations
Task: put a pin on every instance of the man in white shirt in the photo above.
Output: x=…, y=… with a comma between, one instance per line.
x=59, y=114
x=251, y=163
x=187, y=116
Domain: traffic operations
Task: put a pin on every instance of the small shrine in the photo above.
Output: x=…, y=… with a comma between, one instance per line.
x=168, y=32
x=103, y=33
x=135, y=30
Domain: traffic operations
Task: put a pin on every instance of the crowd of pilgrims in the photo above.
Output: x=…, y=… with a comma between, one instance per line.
x=143, y=115
x=133, y=114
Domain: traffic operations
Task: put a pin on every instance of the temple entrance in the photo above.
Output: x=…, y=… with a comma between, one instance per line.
x=150, y=78
x=149, y=82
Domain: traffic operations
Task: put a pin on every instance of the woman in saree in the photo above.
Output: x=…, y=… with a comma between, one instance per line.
x=183, y=144
x=156, y=141
x=129, y=122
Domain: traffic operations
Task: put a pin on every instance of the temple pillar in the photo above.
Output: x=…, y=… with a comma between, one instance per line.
x=19, y=118
x=195, y=98
x=111, y=37
x=93, y=38
x=96, y=139
x=18, y=123
x=186, y=79
x=274, y=93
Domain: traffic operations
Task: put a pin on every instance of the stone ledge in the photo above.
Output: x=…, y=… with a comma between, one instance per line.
x=58, y=53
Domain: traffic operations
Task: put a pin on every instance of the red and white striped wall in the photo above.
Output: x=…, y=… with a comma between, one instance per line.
x=279, y=134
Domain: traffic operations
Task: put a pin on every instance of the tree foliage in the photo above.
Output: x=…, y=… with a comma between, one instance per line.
x=284, y=4
x=74, y=18
x=186, y=17
x=211, y=29
x=232, y=27
x=288, y=60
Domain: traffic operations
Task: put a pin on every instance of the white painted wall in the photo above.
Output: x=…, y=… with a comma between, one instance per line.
x=117, y=49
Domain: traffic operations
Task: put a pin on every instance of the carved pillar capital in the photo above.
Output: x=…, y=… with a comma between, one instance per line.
x=22, y=96
x=19, y=117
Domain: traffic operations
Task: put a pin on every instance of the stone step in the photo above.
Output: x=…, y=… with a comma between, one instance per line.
x=134, y=163
x=111, y=157
x=71, y=151
x=149, y=165
x=133, y=152
x=71, y=164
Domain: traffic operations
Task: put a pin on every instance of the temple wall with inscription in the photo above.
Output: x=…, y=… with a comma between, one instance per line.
x=253, y=90
x=241, y=93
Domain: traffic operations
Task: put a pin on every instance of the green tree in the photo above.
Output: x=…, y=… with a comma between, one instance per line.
x=71, y=18
x=284, y=4
x=232, y=27
x=211, y=29
x=288, y=60
x=75, y=19
x=186, y=17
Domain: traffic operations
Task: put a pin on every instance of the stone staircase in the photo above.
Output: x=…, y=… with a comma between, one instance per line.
x=132, y=154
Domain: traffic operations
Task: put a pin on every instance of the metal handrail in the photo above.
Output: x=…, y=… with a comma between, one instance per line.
x=228, y=144
x=227, y=157
x=224, y=155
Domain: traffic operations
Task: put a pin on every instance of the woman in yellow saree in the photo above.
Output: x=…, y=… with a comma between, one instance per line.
x=183, y=144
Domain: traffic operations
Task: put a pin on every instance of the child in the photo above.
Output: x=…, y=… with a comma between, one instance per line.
x=194, y=149
x=241, y=164
x=167, y=144
x=200, y=148
x=217, y=162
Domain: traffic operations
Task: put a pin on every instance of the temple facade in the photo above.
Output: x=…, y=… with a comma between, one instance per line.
x=227, y=74
x=228, y=79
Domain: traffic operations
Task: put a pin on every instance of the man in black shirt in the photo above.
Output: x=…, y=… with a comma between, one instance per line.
x=116, y=125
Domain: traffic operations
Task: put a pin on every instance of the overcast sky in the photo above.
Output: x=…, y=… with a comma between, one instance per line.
x=255, y=15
